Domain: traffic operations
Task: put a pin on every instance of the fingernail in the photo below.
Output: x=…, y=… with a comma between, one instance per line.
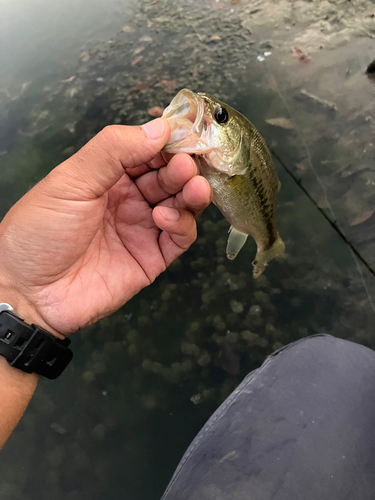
x=154, y=129
x=170, y=214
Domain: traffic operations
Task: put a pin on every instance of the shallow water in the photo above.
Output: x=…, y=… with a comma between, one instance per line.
x=145, y=380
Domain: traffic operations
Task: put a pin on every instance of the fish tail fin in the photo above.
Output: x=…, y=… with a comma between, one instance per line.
x=264, y=256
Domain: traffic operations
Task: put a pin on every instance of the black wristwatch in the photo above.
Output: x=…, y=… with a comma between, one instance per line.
x=29, y=347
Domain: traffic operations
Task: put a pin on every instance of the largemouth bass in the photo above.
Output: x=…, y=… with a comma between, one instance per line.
x=233, y=157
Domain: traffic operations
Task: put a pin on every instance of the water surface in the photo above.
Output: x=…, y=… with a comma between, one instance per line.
x=144, y=380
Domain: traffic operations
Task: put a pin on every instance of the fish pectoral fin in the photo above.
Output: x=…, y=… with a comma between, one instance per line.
x=236, y=241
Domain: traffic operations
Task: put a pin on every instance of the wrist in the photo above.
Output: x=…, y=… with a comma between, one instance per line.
x=23, y=307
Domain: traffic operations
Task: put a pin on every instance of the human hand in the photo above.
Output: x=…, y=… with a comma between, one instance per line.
x=99, y=227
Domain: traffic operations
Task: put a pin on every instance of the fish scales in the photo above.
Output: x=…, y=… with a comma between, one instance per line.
x=234, y=158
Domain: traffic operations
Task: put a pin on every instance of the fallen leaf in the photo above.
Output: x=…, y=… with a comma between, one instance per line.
x=85, y=56
x=25, y=85
x=149, y=24
x=155, y=112
x=281, y=122
x=153, y=2
x=138, y=50
x=58, y=428
x=301, y=166
x=136, y=60
x=318, y=100
x=235, y=2
x=139, y=87
x=68, y=80
x=161, y=19
x=214, y=38
x=362, y=217
x=145, y=38
x=299, y=55
x=128, y=29
x=169, y=85
x=218, y=5
x=195, y=71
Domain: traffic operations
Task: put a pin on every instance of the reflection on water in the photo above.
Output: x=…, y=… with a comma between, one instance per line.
x=39, y=38
x=144, y=380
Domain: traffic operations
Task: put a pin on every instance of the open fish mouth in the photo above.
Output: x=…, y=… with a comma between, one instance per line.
x=187, y=117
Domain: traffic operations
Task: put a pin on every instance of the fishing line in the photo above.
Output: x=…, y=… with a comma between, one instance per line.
x=332, y=220
x=325, y=215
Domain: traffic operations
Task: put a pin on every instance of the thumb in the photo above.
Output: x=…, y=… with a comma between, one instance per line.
x=95, y=168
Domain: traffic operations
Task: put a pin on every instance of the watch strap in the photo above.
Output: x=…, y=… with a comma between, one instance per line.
x=31, y=348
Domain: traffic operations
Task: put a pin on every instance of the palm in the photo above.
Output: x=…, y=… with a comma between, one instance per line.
x=100, y=252
x=122, y=257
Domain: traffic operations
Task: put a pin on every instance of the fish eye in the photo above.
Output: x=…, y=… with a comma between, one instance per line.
x=221, y=115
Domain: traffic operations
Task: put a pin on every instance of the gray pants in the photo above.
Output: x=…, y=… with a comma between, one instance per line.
x=301, y=427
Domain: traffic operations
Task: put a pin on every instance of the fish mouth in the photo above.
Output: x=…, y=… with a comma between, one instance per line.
x=186, y=116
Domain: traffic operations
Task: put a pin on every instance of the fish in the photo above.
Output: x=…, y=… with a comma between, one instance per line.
x=234, y=158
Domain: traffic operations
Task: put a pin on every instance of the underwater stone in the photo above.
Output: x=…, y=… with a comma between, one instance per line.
x=241, y=284
x=277, y=345
x=237, y=307
x=98, y=431
x=262, y=342
x=255, y=311
x=296, y=302
x=132, y=350
x=143, y=321
x=187, y=366
x=271, y=331
x=176, y=368
x=190, y=349
x=246, y=335
x=113, y=347
x=88, y=376
x=262, y=297
x=169, y=376
x=208, y=296
x=157, y=315
x=231, y=336
x=152, y=366
x=57, y=455
x=196, y=399
x=262, y=282
x=204, y=359
x=132, y=336
x=250, y=337
x=99, y=367
x=218, y=322
x=232, y=319
x=149, y=401
x=166, y=295
x=219, y=339
x=220, y=269
x=194, y=326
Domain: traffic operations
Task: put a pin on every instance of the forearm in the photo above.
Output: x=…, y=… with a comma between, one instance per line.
x=16, y=386
x=16, y=390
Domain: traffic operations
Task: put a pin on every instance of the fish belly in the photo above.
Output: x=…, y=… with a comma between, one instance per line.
x=250, y=209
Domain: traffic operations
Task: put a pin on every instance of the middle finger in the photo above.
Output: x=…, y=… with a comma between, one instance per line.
x=160, y=184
